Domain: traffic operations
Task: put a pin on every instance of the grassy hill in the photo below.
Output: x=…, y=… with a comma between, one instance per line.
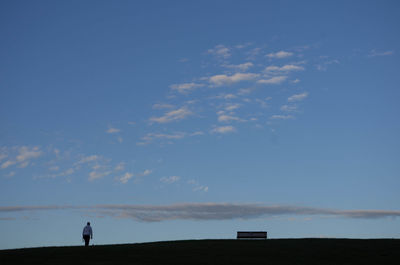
x=220, y=252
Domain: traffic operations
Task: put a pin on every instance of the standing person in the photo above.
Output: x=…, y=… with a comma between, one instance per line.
x=87, y=234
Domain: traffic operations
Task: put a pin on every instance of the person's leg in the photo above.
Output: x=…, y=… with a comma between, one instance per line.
x=87, y=238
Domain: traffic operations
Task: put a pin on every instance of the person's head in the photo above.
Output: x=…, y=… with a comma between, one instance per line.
x=88, y=223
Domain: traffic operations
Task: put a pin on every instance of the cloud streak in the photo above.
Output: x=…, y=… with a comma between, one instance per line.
x=219, y=80
x=23, y=158
x=174, y=115
x=185, y=87
x=273, y=80
x=206, y=211
x=298, y=97
x=279, y=55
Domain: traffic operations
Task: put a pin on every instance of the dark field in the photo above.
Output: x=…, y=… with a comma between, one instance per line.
x=271, y=251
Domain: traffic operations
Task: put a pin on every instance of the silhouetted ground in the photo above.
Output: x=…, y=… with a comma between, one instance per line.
x=218, y=252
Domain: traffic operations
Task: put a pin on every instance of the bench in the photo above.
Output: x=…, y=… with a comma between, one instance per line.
x=251, y=235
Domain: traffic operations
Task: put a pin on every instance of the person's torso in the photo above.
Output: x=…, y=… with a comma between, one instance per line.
x=87, y=230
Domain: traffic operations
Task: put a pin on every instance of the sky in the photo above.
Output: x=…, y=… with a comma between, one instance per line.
x=170, y=120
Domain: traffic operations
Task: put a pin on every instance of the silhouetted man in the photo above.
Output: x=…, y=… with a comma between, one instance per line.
x=87, y=234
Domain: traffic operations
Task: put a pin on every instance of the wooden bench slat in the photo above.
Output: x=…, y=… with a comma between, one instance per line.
x=251, y=234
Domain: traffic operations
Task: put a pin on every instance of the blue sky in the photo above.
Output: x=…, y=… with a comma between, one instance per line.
x=165, y=120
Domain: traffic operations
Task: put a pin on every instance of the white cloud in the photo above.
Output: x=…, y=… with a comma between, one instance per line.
x=276, y=80
x=288, y=108
x=197, y=186
x=220, y=51
x=229, y=96
x=219, y=80
x=152, y=136
x=262, y=102
x=245, y=91
x=186, y=87
x=298, y=97
x=201, y=188
x=374, y=53
x=170, y=180
x=281, y=117
x=26, y=153
x=279, y=55
x=24, y=164
x=96, y=175
x=7, y=164
x=223, y=129
x=285, y=68
x=65, y=173
x=197, y=133
x=87, y=159
x=232, y=107
x=68, y=172
x=145, y=173
x=163, y=106
x=125, y=178
x=228, y=118
x=296, y=81
x=240, y=67
x=120, y=166
x=324, y=66
x=174, y=115
x=113, y=130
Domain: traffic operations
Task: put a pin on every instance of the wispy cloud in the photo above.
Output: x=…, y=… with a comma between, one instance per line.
x=88, y=159
x=98, y=174
x=170, y=180
x=289, y=108
x=276, y=80
x=197, y=187
x=23, y=156
x=163, y=106
x=228, y=118
x=232, y=106
x=120, y=166
x=125, y=178
x=298, y=97
x=174, y=115
x=128, y=175
x=207, y=211
x=197, y=133
x=219, y=80
x=285, y=68
x=7, y=164
x=112, y=130
x=324, y=65
x=150, y=137
x=223, y=129
x=185, y=87
x=281, y=117
x=220, y=51
x=240, y=67
x=374, y=53
x=145, y=173
x=280, y=54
